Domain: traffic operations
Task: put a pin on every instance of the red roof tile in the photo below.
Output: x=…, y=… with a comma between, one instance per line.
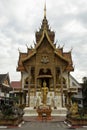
x=16, y=84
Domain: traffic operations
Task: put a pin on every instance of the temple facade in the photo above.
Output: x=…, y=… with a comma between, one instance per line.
x=50, y=64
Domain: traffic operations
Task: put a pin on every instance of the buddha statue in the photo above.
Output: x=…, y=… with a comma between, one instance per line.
x=44, y=93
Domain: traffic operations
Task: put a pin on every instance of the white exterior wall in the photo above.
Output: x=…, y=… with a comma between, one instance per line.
x=65, y=75
x=7, y=95
x=24, y=75
x=75, y=82
x=2, y=94
x=51, y=100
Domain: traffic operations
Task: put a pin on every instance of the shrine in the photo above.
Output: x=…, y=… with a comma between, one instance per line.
x=46, y=65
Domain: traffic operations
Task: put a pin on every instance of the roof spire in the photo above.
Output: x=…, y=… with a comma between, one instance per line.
x=45, y=10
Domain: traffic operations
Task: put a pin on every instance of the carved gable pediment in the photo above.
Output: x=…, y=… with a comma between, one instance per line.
x=45, y=47
x=6, y=82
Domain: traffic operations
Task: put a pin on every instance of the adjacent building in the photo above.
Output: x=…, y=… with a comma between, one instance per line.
x=5, y=87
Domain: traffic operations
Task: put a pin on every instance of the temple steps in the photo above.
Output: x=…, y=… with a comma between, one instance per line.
x=30, y=111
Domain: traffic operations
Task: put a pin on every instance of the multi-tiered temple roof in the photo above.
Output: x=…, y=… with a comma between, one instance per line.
x=45, y=32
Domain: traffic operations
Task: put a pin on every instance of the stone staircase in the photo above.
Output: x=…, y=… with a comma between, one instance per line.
x=30, y=111
x=59, y=112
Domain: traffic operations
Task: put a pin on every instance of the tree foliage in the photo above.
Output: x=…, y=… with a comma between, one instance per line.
x=85, y=91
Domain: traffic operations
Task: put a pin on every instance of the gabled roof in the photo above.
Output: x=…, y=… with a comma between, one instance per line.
x=16, y=85
x=68, y=56
x=5, y=82
x=3, y=77
x=21, y=57
x=29, y=56
x=45, y=32
x=61, y=56
x=73, y=79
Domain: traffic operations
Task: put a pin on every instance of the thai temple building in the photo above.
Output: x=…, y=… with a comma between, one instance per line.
x=46, y=63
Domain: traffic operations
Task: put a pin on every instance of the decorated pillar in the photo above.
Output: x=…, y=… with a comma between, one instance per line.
x=61, y=87
x=69, y=93
x=35, y=83
x=29, y=76
x=36, y=68
x=54, y=83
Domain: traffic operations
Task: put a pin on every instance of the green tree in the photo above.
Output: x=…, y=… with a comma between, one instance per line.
x=84, y=90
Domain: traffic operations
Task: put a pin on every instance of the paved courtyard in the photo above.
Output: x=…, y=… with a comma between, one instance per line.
x=43, y=125
x=31, y=123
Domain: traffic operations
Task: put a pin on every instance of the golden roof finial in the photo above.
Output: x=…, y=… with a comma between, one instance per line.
x=45, y=10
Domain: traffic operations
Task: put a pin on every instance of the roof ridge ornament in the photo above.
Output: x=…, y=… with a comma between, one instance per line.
x=45, y=10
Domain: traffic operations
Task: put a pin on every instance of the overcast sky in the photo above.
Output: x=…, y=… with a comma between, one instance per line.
x=19, y=19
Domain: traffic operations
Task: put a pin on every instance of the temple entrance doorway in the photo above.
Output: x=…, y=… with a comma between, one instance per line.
x=45, y=75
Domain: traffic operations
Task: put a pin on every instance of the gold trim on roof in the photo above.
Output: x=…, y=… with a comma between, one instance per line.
x=45, y=10
x=45, y=32
x=61, y=56
x=29, y=56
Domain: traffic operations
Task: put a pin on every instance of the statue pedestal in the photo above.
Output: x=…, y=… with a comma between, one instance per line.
x=44, y=112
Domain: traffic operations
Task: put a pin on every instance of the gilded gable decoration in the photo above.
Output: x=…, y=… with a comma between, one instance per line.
x=44, y=59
